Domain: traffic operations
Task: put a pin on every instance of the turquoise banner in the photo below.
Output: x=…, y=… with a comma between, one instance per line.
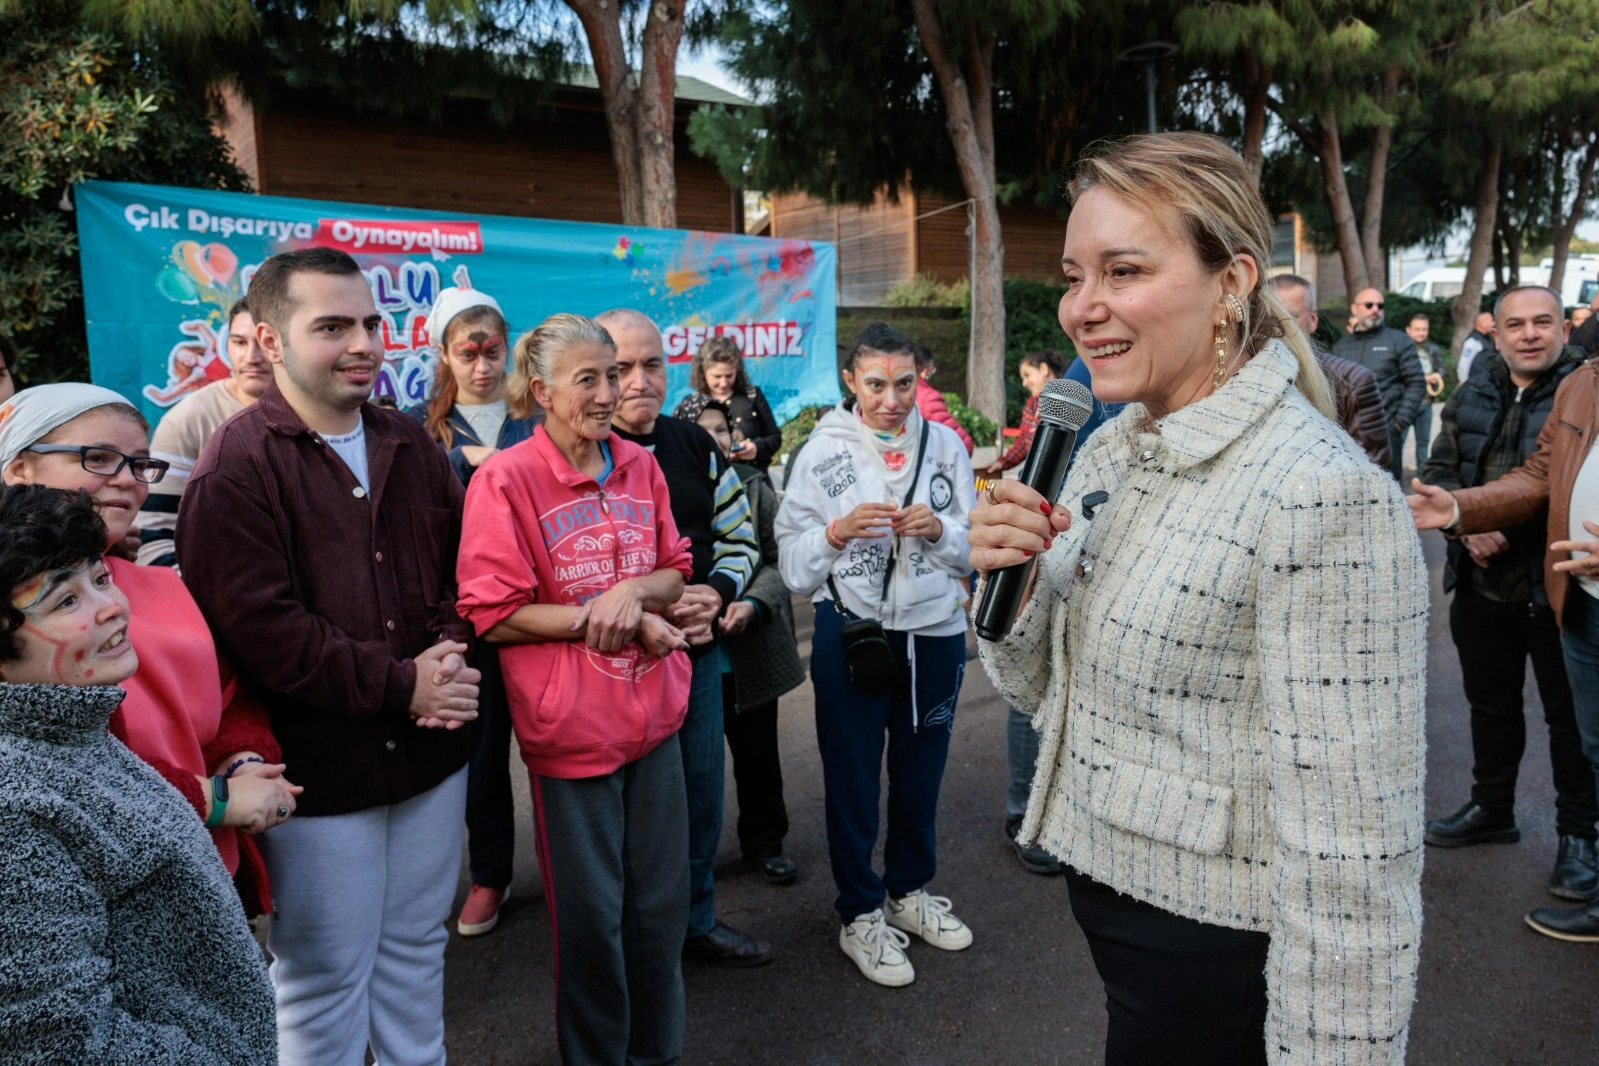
x=162, y=265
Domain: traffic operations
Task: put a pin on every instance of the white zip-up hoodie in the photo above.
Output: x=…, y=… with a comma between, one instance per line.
x=831, y=476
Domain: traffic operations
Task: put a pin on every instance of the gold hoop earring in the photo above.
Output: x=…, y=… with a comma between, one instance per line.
x=1236, y=306
x=1221, y=358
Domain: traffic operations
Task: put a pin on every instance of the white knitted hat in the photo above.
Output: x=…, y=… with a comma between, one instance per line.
x=451, y=303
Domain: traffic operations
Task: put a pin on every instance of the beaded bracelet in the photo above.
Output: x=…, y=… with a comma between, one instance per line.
x=234, y=766
x=834, y=541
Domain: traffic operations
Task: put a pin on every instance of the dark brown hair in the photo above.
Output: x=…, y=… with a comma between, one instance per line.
x=1048, y=358
x=269, y=298
x=718, y=349
x=41, y=529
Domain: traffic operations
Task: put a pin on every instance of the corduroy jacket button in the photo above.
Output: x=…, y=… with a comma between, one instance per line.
x=391, y=745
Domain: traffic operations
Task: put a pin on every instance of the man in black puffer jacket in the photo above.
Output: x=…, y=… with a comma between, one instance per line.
x=1501, y=614
x=1391, y=356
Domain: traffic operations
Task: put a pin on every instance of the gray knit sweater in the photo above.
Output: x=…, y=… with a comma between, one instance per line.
x=1228, y=667
x=121, y=938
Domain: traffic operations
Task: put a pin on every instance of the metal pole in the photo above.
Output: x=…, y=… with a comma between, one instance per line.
x=1149, y=91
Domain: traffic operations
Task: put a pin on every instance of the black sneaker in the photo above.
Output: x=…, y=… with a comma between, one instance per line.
x=1473, y=824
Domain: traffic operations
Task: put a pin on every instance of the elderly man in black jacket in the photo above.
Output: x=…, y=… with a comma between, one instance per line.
x=1501, y=614
x=1392, y=357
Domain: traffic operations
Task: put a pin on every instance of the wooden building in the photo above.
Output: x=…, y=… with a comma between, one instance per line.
x=919, y=233
x=557, y=165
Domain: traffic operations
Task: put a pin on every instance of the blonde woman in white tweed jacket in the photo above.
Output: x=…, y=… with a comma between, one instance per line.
x=1227, y=661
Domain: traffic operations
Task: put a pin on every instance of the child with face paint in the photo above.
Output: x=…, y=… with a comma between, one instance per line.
x=899, y=563
x=121, y=939
x=186, y=712
x=472, y=418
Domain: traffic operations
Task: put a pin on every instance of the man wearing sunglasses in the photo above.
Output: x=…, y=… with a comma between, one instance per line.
x=1392, y=358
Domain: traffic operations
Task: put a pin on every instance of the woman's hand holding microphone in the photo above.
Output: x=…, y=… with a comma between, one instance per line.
x=1012, y=524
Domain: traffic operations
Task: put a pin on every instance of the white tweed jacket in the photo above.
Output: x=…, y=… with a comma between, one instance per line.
x=1227, y=665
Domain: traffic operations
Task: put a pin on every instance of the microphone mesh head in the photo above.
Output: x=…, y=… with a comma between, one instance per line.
x=1065, y=403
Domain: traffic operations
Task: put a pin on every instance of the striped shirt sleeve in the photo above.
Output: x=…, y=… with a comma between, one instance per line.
x=737, y=553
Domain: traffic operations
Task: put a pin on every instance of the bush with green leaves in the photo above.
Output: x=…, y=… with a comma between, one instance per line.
x=983, y=429
x=76, y=105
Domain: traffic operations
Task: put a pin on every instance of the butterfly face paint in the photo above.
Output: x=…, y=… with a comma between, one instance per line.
x=75, y=630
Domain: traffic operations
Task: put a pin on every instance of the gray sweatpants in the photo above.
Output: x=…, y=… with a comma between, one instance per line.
x=613, y=851
x=358, y=934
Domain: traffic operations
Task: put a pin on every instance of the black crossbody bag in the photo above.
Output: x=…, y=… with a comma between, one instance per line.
x=872, y=664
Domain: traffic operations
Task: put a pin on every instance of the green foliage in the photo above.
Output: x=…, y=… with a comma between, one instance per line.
x=1032, y=324
x=982, y=428
x=76, y=105
x=798, y=429
x=924, y=290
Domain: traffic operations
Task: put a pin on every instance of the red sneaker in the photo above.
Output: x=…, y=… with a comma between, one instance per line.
x=481, y=912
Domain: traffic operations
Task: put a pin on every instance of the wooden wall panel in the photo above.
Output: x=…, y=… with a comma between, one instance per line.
x=874, y=243
x=559, y=169
x=1033, y=238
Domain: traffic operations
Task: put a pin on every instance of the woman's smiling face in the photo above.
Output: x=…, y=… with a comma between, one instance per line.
x=1140, y=307
x=75, y=629
x=117, y=497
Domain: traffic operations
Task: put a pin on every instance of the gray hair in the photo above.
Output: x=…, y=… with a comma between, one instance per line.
x=626, y=317
x=538, y=349
x=1288, y=281
x=1560, y=305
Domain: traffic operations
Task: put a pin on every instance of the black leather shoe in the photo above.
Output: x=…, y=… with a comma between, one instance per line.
x=1473, y=824
x=1577, y=924
x=726, y=946
x=1575, y=876
x=777, y=869
x=1034, y=859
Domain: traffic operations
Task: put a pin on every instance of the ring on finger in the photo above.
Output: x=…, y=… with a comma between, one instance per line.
x=283, y=812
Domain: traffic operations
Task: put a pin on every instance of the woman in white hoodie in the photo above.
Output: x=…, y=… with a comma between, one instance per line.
x=873, y=527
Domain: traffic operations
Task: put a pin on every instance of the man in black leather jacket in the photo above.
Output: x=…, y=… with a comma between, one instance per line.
x=1501, y=616
x=1391, y=357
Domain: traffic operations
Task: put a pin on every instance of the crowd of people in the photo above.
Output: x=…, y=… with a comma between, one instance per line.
x=272, y=660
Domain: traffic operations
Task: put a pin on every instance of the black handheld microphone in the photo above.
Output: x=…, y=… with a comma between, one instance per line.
x=1063, y=407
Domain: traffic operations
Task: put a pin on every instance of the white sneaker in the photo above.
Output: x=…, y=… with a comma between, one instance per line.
x=929, y=918
x=877, y=950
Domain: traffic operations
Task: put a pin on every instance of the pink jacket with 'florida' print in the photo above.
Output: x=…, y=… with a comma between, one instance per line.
x=536, y=530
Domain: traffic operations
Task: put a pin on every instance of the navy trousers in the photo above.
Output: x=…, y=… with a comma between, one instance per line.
x=852, y=728
x=490, y=807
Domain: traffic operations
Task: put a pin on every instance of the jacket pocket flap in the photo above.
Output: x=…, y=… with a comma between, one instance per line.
x=1181, y=811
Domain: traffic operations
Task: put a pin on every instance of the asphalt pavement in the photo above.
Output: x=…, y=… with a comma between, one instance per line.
x=1491, y=990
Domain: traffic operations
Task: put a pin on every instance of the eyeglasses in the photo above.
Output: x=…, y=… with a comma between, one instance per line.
x=1378, y=305
x=108, y=462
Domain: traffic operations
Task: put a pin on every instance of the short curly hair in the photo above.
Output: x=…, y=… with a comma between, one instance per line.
x=41, y=529
x=722, y=350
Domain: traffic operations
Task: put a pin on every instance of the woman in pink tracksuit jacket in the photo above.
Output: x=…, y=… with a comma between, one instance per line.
x=568, y=553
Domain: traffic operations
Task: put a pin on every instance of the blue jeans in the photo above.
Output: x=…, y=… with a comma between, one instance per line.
x=1423, y=431
x=852, y=728
x=1021, y=753
x=1579, y=640
x=703, y=779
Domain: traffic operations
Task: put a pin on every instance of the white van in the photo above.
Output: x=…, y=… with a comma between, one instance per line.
x=1576, y=290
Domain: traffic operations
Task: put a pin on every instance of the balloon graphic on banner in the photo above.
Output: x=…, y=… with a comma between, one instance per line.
x=174, y=284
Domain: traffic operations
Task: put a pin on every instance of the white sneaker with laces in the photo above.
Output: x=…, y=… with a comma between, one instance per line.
x=877, y=950
x=929, y=917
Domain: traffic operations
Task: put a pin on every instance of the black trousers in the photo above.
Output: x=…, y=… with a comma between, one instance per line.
x=1176, y=990
x=490, y=805
x=757, y=774
x=1495, y=641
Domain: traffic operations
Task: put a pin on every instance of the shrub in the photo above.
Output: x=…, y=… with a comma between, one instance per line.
x=973, y=421
x=924, y=290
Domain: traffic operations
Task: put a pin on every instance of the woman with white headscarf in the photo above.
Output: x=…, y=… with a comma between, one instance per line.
x=186, y=713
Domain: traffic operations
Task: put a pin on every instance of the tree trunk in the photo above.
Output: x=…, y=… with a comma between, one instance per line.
x=1257, y=85
x=1512, y=254
x=1482, y=233
x=1377, y=182
x=663, y=30
x=967, y=92
x=1566, y=221
x=602, y=25
x=1499, y=257
x=1343, y=209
